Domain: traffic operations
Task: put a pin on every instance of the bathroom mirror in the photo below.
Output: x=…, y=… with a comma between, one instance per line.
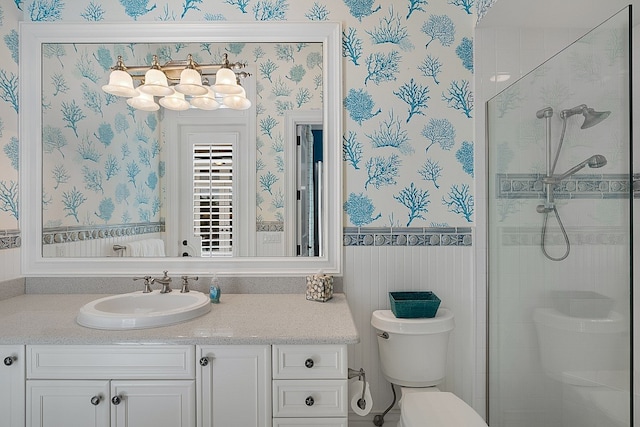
x=41, y=42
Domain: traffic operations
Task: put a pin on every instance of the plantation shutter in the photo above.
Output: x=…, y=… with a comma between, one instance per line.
x=213, y=197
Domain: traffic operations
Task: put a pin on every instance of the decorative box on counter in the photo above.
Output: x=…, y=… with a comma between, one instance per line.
x=319, y=287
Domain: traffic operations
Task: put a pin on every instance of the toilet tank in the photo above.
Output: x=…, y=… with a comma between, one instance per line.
x=570, y=344
x=413, y=352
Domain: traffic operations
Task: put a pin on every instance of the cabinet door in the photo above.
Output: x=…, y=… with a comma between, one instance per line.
x=234, y=386
x=161, y=403
x=74, y=403
x=12, y=376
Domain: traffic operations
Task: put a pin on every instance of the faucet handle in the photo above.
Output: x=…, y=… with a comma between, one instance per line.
x=165, y=281
x=185, y=283
x=147, y=283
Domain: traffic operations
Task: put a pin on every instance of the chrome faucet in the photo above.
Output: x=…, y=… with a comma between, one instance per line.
x=165, y=281
x=185, y=283
x=147, y=283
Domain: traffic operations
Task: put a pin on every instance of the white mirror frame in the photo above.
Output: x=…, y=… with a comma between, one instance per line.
x=33, y=35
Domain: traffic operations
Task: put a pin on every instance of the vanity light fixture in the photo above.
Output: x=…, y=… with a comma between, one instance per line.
x=180, y=85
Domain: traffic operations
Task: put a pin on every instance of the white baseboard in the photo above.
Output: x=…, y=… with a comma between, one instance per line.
x=390, y=420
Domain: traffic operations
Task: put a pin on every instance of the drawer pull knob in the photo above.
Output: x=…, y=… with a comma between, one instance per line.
x=116, y=400
x=204, y=361
x=95, y=400
x=308, y=363
x=8, y=361
x=309, y=401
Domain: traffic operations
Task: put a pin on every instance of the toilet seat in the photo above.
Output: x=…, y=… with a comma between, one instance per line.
x=440, y=409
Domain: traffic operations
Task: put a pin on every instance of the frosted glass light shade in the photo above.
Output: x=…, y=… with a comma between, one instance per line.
x=144, y=102
x=237, y=102
x=226, y=82
x=206, y=102
x=175, y=102
x=120, y=84
x=190, y=83
x=155, y=83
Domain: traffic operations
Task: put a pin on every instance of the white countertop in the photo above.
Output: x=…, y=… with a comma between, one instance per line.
x=237, y=319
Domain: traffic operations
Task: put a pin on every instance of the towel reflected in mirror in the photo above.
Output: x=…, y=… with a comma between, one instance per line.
x=143, y=248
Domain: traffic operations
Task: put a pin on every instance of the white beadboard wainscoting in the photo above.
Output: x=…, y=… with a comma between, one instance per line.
x=10, y=264
x=370, y=272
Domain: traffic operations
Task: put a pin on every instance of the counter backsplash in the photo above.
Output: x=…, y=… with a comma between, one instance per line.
x=12, y=288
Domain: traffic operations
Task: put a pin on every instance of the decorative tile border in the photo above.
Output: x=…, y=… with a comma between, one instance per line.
x=426, y=236
x=10, y=239
x=80, y=233
x=270, y=226
x=579, y=236
x=352, y=236
x=587, y=186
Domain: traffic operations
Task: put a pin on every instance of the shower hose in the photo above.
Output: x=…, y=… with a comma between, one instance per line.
x=544, y=234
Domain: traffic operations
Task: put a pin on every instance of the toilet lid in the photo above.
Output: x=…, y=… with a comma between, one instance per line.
x=438, y=410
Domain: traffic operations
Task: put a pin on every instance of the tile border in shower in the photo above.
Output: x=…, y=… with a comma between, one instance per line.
x=583, y=186
x=580, y=236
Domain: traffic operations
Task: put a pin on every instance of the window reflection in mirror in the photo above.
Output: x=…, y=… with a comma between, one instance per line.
x=113, y=175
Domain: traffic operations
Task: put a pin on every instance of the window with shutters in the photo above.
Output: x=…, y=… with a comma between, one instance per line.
x=213, y=197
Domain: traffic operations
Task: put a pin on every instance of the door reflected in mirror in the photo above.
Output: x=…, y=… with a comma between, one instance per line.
x=207, y=183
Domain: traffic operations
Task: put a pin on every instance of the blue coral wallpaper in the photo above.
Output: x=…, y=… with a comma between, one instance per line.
x=408, y=143
x=104, y=161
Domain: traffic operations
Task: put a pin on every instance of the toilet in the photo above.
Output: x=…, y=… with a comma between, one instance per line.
x=413, y=355
x=585, y=357
x=570, y=345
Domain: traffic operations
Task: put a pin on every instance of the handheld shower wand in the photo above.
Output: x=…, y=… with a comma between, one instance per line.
x=591, y=118
x=595, y=161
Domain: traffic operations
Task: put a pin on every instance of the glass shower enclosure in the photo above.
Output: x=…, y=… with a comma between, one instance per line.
x=560, y=238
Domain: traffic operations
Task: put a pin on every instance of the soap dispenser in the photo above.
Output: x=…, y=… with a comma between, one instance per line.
x=214, y=290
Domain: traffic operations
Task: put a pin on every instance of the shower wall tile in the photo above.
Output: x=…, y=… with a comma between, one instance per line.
x=532, y=51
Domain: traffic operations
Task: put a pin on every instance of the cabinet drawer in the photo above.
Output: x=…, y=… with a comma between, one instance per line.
x=313, y=398
x=110, y=362
x=313, y=422
x=310, y=361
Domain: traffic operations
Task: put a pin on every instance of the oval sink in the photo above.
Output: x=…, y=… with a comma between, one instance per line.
x=138, y=310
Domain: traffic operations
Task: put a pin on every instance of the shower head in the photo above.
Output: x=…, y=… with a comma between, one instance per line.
x=595, y=161
x=591, y=117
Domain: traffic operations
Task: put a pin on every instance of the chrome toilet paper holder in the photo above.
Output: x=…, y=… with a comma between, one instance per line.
x=352, y=373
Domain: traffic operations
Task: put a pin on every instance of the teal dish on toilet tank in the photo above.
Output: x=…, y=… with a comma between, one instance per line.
x=414, y=304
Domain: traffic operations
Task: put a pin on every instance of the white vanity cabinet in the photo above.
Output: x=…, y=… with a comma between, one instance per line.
x=234, y=385
x=117, y=386
x=12, y=377
x=310, y=385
